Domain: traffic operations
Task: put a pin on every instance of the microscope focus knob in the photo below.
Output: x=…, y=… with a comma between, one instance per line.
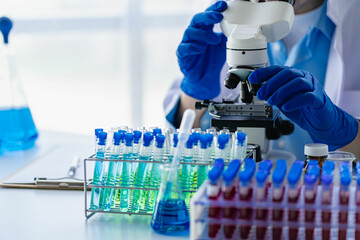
x=232, y=81
x=286, y=127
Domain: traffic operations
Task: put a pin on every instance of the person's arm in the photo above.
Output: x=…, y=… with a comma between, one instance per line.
x=354, y=146
x=187, y=102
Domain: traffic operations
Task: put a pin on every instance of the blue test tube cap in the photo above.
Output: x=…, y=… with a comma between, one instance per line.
x=190, y=141
x=230, y=173
x=129, y=137
x=210, y=138
x=196, y=137
x=326, y=178
x=216, y=170
x=156, y=131
x=137, y=136
x=123, y=132
x=241, y=136
x=148, y=137
x=204, y=141
x=5, y=28
x=313, y=162
x=249, y=169
x=175, y=139
x=295, y=172
x=279, y=171
x=312, y=174
x=117, y=138
x=159, y=140
x=102, y=138
x=328, y=167
x=261, y=176
x=265, y=165
x=345, y=173
x=223, y=139
x=97, y=131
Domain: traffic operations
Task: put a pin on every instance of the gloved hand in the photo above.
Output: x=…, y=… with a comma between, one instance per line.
x=201, y=54
x=302, y=99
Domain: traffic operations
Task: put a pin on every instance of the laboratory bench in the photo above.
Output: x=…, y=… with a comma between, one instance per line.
x=59, y=214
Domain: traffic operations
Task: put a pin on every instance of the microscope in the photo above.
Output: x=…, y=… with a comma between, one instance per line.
x=249, y=26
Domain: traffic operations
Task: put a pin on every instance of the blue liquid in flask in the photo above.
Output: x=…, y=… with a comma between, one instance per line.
x=170, y=216
x=17, y=129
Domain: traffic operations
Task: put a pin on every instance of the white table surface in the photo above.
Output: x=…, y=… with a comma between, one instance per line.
x=59, y=214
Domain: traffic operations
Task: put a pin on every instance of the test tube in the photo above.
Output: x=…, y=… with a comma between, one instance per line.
x=260, y=194
x=294, y=187
x=240, y=145
x=203, y=158
x=326, y=195
x=97, y=131
x=213, y=141
x=221, y=151
x=126, y=175
x=155, y=172
x=137, y=144
x=278, y=194
x=213, y=191
x=98, y=171
x=357, y=198
x=186, y=173
x=345, y=180
x=228, y=191
x=108, y=193
x=173, y=146
x=310, y=180
x=245, y=177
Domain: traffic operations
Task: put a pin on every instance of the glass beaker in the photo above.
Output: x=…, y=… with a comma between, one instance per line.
x=171, y=214
x=17, y=128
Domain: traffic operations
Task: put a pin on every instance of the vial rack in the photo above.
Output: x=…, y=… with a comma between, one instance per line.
x=348, y=229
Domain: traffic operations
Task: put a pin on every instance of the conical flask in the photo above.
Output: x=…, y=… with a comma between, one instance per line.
x=17, y=128
x=171, y=214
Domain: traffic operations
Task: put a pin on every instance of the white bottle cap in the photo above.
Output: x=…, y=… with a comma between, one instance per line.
x=316, y=150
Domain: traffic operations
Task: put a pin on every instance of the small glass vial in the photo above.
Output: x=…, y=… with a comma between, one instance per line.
x=316, y=151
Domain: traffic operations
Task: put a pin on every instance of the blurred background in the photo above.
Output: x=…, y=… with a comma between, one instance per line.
x=97, y=63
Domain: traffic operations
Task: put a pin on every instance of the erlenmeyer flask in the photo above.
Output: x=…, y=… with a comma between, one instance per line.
x=17, y=128
x=171, y=214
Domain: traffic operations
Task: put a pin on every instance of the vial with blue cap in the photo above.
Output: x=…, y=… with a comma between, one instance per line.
x=97, y=131
x=155, y=172
x=213, y=141
x=108, y=193
x=278, y=189
x=204, y=157
x=311, y=179
x=137, y=143
x=261, y=177
x=345, y=181
x=326, y=194
x=174, y=143
x=116, y=198
x=17, y=127
x=138, y=200
x=246, y=175
x=213, y=191
x=294, y=188
x=240, y=145
x=229, y=177
x=98, y=171
x=126, y=175
x=222, y=146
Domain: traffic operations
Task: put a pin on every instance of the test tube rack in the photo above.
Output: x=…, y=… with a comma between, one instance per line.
x=348, y=229
x=88, y=184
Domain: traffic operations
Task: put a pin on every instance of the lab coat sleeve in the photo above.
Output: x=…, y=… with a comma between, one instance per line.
x=171, y=102
x=343, y=72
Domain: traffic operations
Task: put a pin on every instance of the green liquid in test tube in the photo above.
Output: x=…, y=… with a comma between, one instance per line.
x=126, y=174
x=155, y=172
x=140, y=180
x=204, y=158
x=108, y=193
x=100, y=154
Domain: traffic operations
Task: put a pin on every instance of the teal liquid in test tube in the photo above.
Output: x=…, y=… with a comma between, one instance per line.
x=185, y=178
x=155, y=172
x=108, y=193
x=116, y=196
x=126, y=173
x=100, y=154
x=140, y=179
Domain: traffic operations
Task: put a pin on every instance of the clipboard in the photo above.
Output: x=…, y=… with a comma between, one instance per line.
x=49, y=171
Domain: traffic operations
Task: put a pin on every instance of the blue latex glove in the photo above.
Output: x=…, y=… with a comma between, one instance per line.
x=302, y=99
x=202, y=53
